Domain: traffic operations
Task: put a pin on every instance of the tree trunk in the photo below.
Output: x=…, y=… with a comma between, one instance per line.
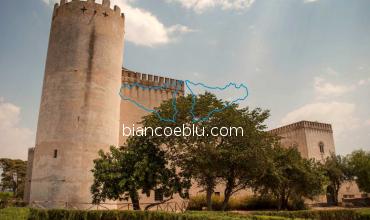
x=228, y=192
x=209, y=198
x=230, y=184
x=336, y=191
x=135, y=199
x=281, y=204
x=226, y=199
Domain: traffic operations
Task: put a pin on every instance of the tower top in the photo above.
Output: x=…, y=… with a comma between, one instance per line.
x=304, y=124
x=89, y=7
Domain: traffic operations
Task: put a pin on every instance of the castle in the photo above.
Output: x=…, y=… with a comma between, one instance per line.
x=81, y=111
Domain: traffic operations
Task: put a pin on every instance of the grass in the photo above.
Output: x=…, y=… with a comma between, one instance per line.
x=14, y=214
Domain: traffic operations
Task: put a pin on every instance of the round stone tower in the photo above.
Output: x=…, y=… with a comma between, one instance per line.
x=80, y=103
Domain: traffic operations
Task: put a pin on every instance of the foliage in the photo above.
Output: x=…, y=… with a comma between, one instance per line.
x=337, y=171
x=5, y=199
x=140, y=165
x=14, y=214
x=209, y=159
x=235, y=203
x=359, y=163
x=288, y=176
x=36, y=214
x=13, y=176
x=347, y=214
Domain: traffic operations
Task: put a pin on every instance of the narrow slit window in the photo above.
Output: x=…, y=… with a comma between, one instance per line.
x=321, y=146
x=55, y=153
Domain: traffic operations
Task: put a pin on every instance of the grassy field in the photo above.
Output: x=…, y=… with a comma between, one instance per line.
x=33, y=214
x=14, y=214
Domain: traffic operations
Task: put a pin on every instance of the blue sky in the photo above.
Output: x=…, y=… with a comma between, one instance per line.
x=302, y=59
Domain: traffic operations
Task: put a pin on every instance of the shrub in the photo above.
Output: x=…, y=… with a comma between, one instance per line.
x=235, y=203
x=59, y=214
x=14, y=214
x=342, y=214
x=5, y=199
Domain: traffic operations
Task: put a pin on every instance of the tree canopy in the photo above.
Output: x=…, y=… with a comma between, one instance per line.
x=139, y=165
x=13, y=176
x=288, y=176
x=359, y=165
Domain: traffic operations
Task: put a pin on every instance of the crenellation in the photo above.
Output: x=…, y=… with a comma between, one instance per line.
x=56, y=6
x=161, y=80
x=152, y=80
x=304, y=124
x=90, y=7
x=106, y=3
x=117, y=9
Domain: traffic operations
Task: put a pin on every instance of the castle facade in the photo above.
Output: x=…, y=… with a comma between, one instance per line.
x=82, y=112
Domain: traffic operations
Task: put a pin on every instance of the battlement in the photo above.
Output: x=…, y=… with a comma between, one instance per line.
x=129, y=76
x=303, y=124
x=88, y=7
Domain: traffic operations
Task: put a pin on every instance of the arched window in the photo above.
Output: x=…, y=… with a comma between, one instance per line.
x=321, y=146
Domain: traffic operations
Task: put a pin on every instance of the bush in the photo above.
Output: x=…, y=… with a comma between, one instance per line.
x=5, y=199
x=14, y=214
x=38, y=214
x=235, y=203
x=59, y=214
x=342, y=214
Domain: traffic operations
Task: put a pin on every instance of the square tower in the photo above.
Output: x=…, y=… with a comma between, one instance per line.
x=312, y=139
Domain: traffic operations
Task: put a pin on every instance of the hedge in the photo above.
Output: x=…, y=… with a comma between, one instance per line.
x=340, y=214
x=60, y=214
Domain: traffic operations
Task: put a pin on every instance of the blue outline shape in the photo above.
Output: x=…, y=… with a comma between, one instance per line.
x=195, y=119
x=187, y=82
x=164, y=86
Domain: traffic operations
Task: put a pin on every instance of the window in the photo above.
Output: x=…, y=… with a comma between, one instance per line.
x=217, y=194
x=55, y=153
x=321, y=146
x=158, y=195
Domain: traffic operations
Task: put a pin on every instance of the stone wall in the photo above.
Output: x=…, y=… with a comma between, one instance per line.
x=149, y=91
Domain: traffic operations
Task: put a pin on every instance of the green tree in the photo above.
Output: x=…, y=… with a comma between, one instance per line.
x=210, y=159
x=13, y=176
x=359, y=164
x=139, y=165
x=288, y=176
x=196, y=156
x=337, y=171
x=240, y=154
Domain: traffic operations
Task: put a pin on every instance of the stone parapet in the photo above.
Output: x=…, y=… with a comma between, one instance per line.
x=149, y=80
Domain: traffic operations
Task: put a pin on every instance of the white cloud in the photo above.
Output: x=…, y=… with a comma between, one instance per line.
x=340, y=114
x=323, y=88
x=14, y=139
x=200, y=6
x=363, y=82
x=310, y=1
x=142, y=27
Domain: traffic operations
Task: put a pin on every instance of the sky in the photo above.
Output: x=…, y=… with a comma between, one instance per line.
x=301, y=59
